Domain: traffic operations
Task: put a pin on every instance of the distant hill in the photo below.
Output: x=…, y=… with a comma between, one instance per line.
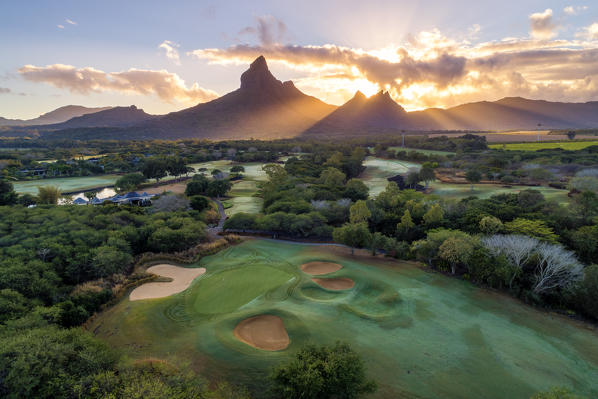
x=508, y=114
x=59, y=115
x=113, y=117
x=360, y=115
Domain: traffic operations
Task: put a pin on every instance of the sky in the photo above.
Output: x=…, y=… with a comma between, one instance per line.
x=165, y=56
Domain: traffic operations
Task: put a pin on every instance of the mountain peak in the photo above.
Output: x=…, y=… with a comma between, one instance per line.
x=359, y=95
x=258, y=76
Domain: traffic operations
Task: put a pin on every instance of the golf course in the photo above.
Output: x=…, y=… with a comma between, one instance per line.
x=421, y=334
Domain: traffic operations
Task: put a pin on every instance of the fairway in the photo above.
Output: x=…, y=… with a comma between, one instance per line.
x=378, y=170
x=483, y=191
x=66, y=184
x=421, y=334
x=567, y=145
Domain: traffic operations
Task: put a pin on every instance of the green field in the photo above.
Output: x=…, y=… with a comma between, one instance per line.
x=377, y=170
x=421, y=151
x=460, y=191
x=66, y=184
x=566, y=145
x=421, y=334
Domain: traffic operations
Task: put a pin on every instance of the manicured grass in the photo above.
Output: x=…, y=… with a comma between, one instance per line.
x=65, y=184
x=566, y=145
x=426, y=152
x=378, y=170
x=460, y=191
x=420, y=334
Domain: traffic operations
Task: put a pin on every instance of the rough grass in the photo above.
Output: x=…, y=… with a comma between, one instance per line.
x=460, y=191
x=421, y=334
x=565, y=145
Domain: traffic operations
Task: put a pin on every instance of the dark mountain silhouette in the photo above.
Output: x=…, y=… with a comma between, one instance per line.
x=263, y=107
x=508, y=114
x=362, y=115
x=113, y=117
x=59, y=115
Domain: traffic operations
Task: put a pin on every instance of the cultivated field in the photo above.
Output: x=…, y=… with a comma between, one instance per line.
x=421, y=334
x=566, y=145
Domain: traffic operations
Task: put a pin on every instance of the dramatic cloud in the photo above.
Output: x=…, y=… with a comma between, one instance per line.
x=167, y=86
x=431, y=70
x=171, y=51
x=542, y=25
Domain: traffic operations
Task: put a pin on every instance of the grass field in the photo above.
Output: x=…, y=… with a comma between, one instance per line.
x=566, y=145
x=421, y=334
x=377, y=171
x=66, y=184
x=426, y=152
x=460, y=191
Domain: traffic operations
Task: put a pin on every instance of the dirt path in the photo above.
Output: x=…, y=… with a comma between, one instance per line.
x=214, y=232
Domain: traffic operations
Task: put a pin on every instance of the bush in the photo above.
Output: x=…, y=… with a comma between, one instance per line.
x=199, y=203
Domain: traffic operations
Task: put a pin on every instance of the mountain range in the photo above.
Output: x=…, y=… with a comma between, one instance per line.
x=265, y=108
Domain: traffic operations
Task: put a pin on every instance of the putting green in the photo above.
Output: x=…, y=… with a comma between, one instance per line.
x=421, y=334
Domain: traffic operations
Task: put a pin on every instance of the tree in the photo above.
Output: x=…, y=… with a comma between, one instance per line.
x=426, y=174
x=8, y=196
x=197, y=186
x=413, y=178
x=332, y=177
x=532, y=228
x=356, y=190
x=237, y=169
x=169, y=203
x=90, y=195
x=199, y=203
x=241, y=221
x=571, y=135
x=218, y=188
x=587, y=291
x=516, y=248
x=48, y=195
x=176, y=166
x=434, y=215
x=129, y=182
x=322, y=373
x=490, y=225
x=586, y=204
x=406, y=223
x=473, y=176
x=556, y=268
x=154, y=168
x=455, y=250
x=378, y=241
x=352, y=235
x=359, y=212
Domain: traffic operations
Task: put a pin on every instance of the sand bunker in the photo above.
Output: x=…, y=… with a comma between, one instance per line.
x=264, y=332
x=181, y=279
x=317, y=268
x=340, y=283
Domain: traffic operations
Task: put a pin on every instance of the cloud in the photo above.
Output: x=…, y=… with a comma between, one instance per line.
x=167, y=86
x=574, y=10
x=70, y=22
x=268, y=30
x=60, y=26
x=171, y=51
x=542, y=25
x=4, y=90
x=589, y=32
